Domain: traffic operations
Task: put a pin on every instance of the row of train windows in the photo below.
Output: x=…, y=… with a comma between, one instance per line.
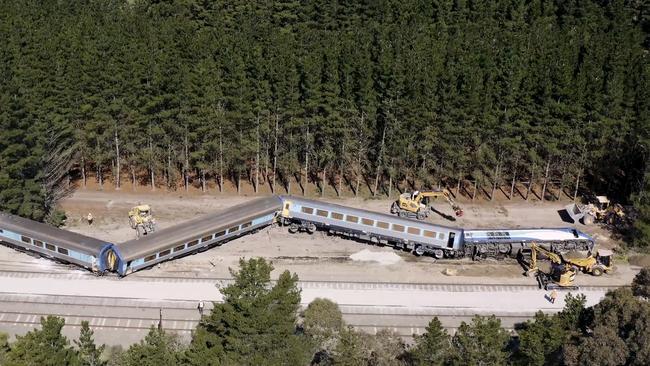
x=370, y=222
x=40, y=244
x=196, y=241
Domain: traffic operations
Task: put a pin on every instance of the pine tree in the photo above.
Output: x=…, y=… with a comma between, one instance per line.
x=432, y=347
x=89, y=353
x=481, y=342
x=45, y=346
x=156, y=349
x=256, y=324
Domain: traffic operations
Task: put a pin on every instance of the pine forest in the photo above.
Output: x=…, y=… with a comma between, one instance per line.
x=536, y=99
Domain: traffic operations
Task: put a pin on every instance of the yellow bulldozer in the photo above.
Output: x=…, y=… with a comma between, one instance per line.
x=141, y=220
x=564, y=270
x=416, y=204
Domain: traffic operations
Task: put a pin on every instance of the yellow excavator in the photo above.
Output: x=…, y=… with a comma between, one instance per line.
x=416, y=204
x=141, y=220
x=564, y=270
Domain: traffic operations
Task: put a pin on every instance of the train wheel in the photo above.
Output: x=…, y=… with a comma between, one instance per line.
x=419, y=250
x=311, y=228
x=421, y=216
x=293, y=228
x=438, y=253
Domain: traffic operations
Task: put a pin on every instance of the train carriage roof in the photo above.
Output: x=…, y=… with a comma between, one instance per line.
x=50, y=234
x=194, y=229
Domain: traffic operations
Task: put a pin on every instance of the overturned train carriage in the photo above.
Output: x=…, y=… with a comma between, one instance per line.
x=196, y=235
x=510, y=242
x=417, y=236
x=66, y=246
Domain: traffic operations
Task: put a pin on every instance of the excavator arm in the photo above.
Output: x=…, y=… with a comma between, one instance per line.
x=441, y=193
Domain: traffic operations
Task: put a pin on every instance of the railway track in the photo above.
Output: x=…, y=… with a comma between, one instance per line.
x=305, y=284
x=181, y=317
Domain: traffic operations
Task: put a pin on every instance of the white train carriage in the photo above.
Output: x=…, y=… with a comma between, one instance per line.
x=419, y=237
x=495, y=242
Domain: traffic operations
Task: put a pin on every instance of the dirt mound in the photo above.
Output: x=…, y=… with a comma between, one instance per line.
x=641, y=260
x=384, y=258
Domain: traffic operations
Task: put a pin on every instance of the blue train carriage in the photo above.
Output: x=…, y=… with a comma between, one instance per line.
x=197, y=235
x=62, y=245
x=419, y=237
x=510, y=242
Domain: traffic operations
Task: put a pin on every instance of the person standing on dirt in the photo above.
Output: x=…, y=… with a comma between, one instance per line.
x=553, y=296
x=200, y=307
x=89, y=218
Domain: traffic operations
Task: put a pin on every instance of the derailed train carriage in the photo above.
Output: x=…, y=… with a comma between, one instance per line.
x=298, y=214
x=417, y=236
x=198, y=235
x=420, y=237
x=50, y=242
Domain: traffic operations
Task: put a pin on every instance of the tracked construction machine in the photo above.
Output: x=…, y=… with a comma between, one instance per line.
x=563, y=270
x=141, y=220
x=416, y=204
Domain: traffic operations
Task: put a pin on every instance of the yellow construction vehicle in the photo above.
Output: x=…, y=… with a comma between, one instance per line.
x=600, y=210
x=416, y=204
x=141, y=220
x=564, y=270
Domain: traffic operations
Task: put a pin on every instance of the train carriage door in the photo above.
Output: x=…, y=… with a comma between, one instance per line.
x=450, y=242
x=110, y=260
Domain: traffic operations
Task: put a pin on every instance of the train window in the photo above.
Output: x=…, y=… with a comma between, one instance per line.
x=179, y=248
x=308, y=210
x=322, y=213
x=441, y=236
x=38, y=243
x=368, y=222
x=337, y=216
x=49, y=247
x=220, y=233
x=25, y=239
x=382, y=225
x=414, y=231
x=430, y=234
x=1, y=231
x=233, y=229
x=350, y=218
x=62, y=251
x=150, y=258
x=246, y=224
x=192, y=243
x=206, y=238
x=399, y=228
x=164, y=253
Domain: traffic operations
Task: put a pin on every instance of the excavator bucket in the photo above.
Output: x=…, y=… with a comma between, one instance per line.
x=575, y=212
